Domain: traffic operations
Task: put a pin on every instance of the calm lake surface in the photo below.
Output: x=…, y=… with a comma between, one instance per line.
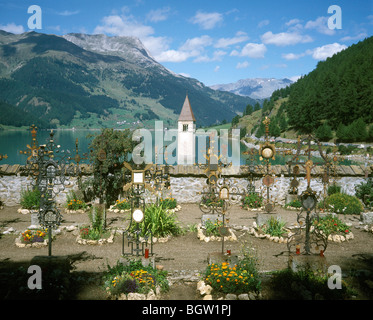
x=14, y=141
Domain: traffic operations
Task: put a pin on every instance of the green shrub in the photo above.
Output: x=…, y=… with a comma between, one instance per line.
x=252, y=200
x=364, y=191
x=293, y=285
x=212, y=229
x=294, y=204
x=334, y=188
x=30, y=199
x=343, y=203
x=275, y=227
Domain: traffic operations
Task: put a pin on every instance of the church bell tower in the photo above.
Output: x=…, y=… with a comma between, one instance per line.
x=186, y=135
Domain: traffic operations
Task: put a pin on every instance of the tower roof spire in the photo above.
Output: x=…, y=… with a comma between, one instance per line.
x=186, y=113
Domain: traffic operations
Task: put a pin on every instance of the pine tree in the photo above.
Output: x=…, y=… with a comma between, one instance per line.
x=324, y=132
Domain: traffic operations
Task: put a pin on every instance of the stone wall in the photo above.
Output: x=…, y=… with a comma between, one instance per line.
x=185, y=189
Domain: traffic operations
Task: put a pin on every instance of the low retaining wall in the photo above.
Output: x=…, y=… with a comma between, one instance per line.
x=184, y=189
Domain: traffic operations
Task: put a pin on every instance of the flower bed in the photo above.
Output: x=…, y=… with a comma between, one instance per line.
x=121, y=206
x=89, y=236
x=226, y=278
x=32, y=238
x=333, y=228
x=135, y=281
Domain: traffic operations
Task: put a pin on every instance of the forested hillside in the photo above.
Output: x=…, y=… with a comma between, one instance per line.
x=338, y=92
x=334, y=101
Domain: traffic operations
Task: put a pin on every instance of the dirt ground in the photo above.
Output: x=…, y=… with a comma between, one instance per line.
x=185, y=252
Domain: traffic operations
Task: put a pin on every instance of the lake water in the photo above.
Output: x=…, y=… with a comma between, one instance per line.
x=13, y=141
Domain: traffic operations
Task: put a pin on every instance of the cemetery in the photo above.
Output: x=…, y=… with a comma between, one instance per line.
x=114, y=229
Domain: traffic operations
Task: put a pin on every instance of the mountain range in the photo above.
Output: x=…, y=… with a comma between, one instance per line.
x=256, y=88
x=80, y=80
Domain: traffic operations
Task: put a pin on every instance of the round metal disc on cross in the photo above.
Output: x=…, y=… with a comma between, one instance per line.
x=268, y=207
x=268, y=180
x=224, y=231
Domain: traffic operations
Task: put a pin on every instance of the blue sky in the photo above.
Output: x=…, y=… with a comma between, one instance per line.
x=213, y=41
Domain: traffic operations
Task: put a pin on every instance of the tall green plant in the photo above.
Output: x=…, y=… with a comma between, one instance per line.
x=159, y=221
x=30, y=199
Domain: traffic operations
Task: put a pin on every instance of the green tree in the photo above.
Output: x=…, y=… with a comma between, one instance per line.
x=249, y=110
x=235, y=120
x=261, y=130
x=274, y=129
x=283, y=123
x=324, y=132
x=359, y=130
x=109, y=150
x=242, y=132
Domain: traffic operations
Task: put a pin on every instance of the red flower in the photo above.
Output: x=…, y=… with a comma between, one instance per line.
x=347, y=231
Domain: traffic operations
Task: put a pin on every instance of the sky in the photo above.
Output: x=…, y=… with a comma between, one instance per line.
x=216, y=42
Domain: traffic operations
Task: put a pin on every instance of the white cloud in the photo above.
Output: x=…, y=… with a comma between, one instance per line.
x=217, y=56
x=359, y=36
x=321, y=53
x=217, y=68
x=197, y=43
x=263, y=23
x=293, y=56
x=67, y=13
x=251, y=50
x=172, y=56
x=207, y=21
x=193, y=47
x=226, y=42
x=158, y=15
x=122, y=25
x=320, y=25
x=242, y=65
x=292, y=22
x=294, y=78
x=12, y=28
x=285, y=38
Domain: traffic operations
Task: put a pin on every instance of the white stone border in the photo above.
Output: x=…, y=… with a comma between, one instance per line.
x=77, y=211
x=206, y=290
x=201, y=236
x=82, y=241
x=151, y=295
x=254, y=230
